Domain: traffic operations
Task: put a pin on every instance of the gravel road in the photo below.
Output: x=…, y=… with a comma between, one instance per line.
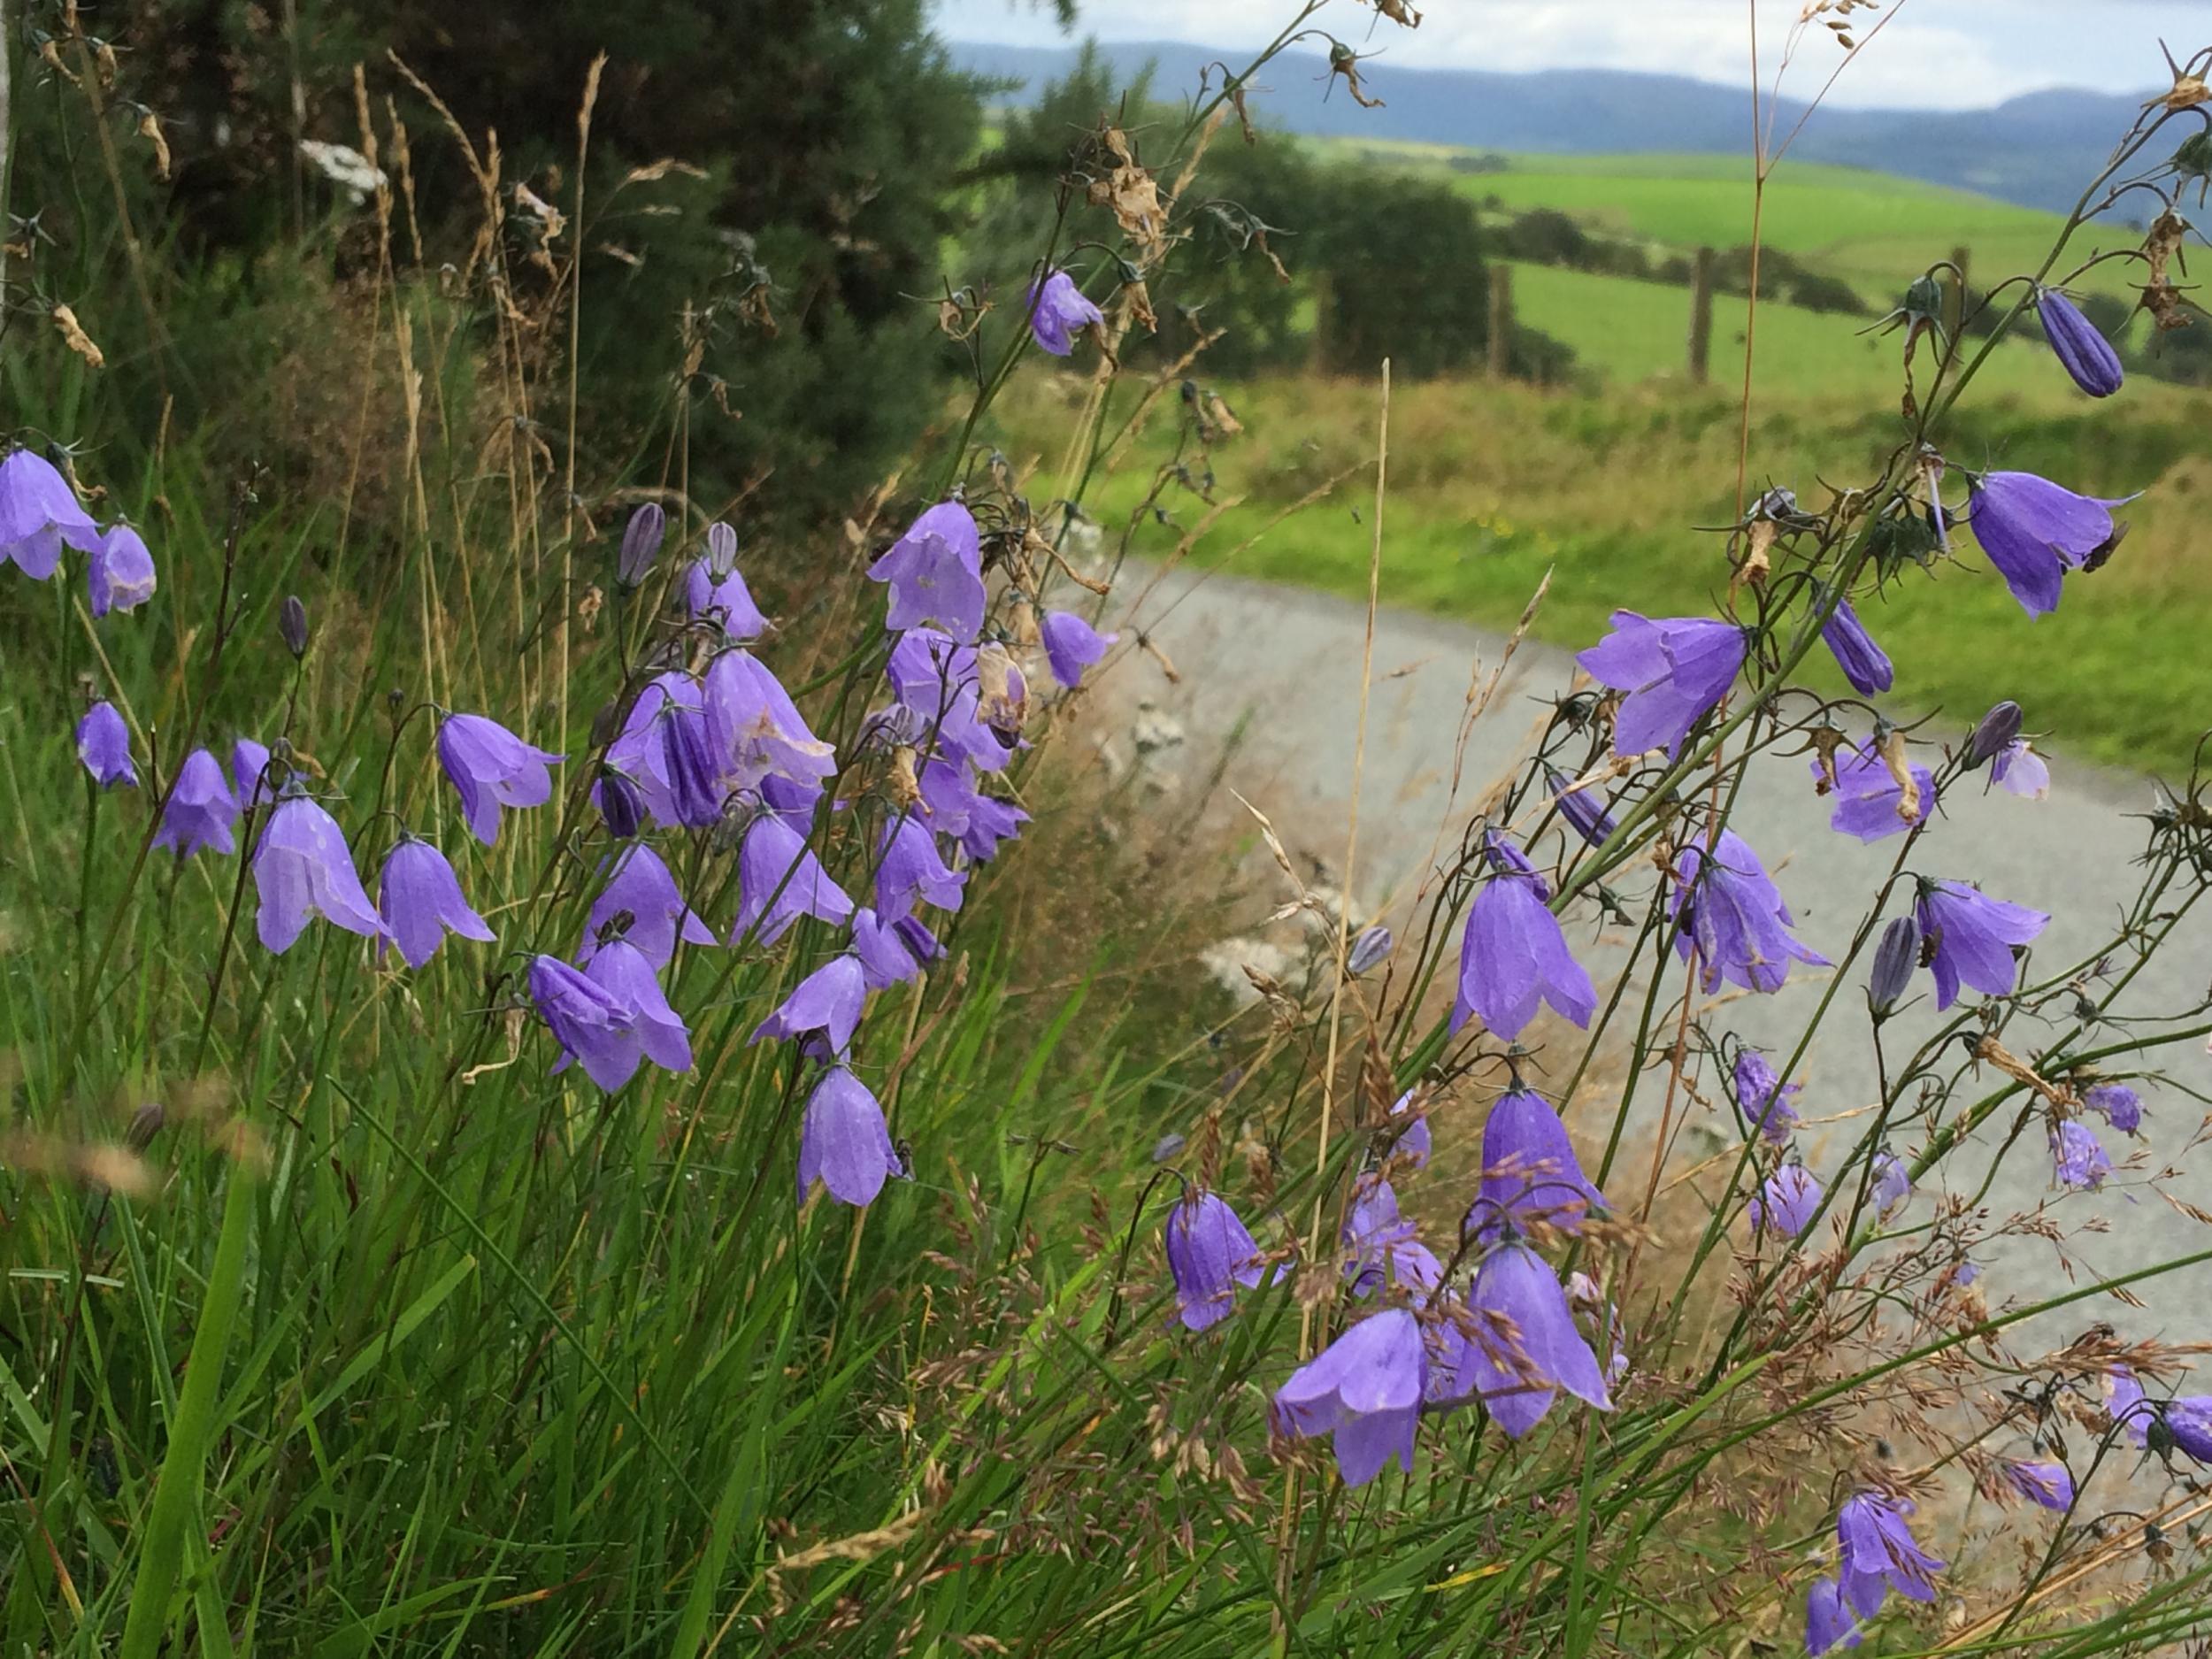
x=1287, y=663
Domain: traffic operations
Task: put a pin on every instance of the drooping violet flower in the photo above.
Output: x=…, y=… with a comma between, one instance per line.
x=621, y=970
x=1786, y=1201
x=1674, y=670
x=592, y=1024
x=938, y=682
x=828, y=1000
x=755, y=733
x=1730, y=908
x=1413, y=1143
x=2183, y=1423
x=1863, y=661
x=911, y=871
x=1764, y=1098
x=302, y=869
x=103, y=744
x=779, y=880
x=200, y=808
x=1380, y=1248
x=420, y=900
x=1992, y=734
x=714, y=589
x=120, y=576
x=1879, y=1554
x=2020, y=771
x=1366, y=1388
x=639, y=749
x=694, y=782
x=2034, y=532
x=1971, y=937
x=253, y=785
x=1828, y=1622
x=1208, y=1255
x=1072, y=645
x=2080, y=349
x=1530, y=1172
x=640, y=544
x=1515, y=1345
x=935, y=572
x=1514, y=954
x=490, y=767
x=1369, y=947
x=844, y=1143
x=1585, y=809
x=1870, y=803
x=1892, y=1182
x=961, y=811
x=39, y=513
x=641, y=888
x=2118, y=1104
x=1894, y=959
x=885, y=958
x=2049, y=1484
x=621, y=808
x=1057, y=309
x=2078, y=1157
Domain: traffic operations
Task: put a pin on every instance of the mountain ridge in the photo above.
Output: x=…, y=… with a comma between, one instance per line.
x=2035, y=149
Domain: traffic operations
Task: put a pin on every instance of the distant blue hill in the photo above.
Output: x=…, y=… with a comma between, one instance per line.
x=2038, y=150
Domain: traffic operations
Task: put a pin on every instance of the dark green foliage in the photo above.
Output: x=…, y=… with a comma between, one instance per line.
x=1404, y=277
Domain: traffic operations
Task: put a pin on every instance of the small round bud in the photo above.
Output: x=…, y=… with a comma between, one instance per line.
x=1369, y=948
x=620, y=805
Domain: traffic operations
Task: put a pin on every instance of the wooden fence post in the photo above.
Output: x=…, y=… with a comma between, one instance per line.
x=1700, y=315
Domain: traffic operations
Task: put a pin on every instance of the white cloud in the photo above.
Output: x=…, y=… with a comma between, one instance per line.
x=1951, y=54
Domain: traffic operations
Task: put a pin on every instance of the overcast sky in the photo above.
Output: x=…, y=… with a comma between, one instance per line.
x=1948, y=54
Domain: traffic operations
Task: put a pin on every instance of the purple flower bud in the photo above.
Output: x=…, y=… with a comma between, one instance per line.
x=1894, y=959
x=695, y=782
x=2034, y=532
x=640, y=544
x=844, y=1142
x=714, y=590
x=1585, y=809
x=1369, y=948
x=643, y=888
x=935, y=574
x=2081, y=350
x=1208, y=1255
x=1366, y=1388
x=1072, y=645
x=292, y=624
x=419, y=898
x=39, y=513
x=1994, y=735
x=301, y=869
x=490, y=767
x=103, y=744
x=1972, y=938
x=621, y=808
x=1057, y=308
x=200, y=808
x=2118, y=1104
x=1862, y=660
x=120, y=576
x=1674, y=670
x=829, y=1000
x=1787, y=1202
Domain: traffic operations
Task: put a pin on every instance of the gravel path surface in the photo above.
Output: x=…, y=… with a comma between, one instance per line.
x=1287, y=663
